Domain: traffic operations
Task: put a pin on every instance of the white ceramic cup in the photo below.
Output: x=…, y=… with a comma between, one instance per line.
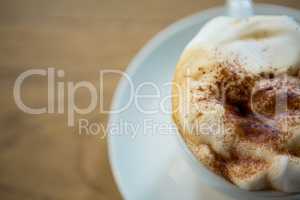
x=188, y=166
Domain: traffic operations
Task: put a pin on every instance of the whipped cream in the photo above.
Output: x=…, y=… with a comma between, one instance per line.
x=228, y=137
x=264, y=43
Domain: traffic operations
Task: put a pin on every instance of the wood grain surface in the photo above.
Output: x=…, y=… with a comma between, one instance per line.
x=41, y=157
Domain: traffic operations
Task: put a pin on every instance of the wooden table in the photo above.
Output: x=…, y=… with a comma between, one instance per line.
x=41, y=157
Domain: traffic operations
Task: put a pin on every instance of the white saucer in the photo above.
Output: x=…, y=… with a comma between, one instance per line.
x=144, y=160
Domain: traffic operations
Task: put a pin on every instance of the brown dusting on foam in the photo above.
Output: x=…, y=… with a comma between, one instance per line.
x=243, y=109
x=276, y=91
x=293, y=97
x=244, y=168
x=261, y=132
x=209, y=158
x=257, y=118
x=237, y=86
x=294, y=152
x=234, y=83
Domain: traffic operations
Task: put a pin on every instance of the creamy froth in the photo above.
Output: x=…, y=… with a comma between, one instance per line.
x=230, y=77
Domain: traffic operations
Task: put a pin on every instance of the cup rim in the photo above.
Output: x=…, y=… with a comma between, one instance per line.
x=221, y=180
